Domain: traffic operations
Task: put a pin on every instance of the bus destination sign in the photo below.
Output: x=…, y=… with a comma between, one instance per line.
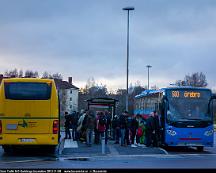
x=186, y=94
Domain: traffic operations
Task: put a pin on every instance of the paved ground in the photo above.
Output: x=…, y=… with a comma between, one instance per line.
x=78, y=155
x=79, y=149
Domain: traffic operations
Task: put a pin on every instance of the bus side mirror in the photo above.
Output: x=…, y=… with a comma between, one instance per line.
x=213, y=97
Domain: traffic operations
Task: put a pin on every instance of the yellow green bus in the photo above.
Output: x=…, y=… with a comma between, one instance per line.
x=29, y=113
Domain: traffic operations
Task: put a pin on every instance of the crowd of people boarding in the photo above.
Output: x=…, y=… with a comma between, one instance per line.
x=126, y=130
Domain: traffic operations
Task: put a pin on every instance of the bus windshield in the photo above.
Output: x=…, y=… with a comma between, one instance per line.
x=183, y=108
x=27, y=91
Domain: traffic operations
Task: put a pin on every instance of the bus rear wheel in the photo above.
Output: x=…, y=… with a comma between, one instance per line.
x=7, y=148
x=200, y=148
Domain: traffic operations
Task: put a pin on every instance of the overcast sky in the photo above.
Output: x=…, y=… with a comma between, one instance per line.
x=87, y=38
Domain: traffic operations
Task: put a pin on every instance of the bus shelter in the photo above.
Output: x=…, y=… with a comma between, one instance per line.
x=102, y=104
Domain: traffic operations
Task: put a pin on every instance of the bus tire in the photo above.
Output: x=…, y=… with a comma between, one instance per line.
x=52, y=149
x=200, y=148
x=7, y=148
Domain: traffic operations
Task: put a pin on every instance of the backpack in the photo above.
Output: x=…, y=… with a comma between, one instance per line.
x=102, y=120
x=139, y=132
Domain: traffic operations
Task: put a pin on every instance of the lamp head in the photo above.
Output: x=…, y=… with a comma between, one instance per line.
x=128, y=8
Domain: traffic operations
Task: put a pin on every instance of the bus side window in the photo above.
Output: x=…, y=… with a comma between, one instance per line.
x=156, y=107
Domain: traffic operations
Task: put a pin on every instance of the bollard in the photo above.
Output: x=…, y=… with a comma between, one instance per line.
x=103, y=143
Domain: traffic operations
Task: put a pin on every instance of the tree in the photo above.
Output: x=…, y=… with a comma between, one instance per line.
x=57, y=76
x=20, y=74
x=121, y=97
x=196, y=80
x=11, y=73
x=31, y=74
x=45, y=75
x=137, y=89
x=91, y=90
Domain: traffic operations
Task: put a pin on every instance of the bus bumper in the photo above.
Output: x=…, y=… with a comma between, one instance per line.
x=29, y=139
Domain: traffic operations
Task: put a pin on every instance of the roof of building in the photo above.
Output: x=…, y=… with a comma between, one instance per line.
x=102, y=99
x=60, y=84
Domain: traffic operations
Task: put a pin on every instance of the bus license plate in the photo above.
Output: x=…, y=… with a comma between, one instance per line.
x=11, y=126
x=26, y=140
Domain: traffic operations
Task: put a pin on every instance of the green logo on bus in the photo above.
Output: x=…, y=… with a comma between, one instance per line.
x=23, y=124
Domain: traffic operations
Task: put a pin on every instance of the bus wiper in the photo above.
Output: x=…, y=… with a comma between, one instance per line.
x=195, y=119
x=188, y=119
x=182, y=119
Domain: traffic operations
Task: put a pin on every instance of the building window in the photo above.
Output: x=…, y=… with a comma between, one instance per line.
x=70, y=98
x=71, y=106
x=71, y=91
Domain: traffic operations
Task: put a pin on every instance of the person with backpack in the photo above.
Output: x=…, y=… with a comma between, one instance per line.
x=101, y=125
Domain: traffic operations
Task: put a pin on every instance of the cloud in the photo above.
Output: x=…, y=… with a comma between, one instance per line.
x=88, y=38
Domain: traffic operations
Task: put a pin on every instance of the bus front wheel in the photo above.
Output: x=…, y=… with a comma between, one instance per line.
x=200, y=148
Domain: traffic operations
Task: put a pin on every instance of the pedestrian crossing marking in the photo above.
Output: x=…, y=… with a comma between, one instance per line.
x=69, y=143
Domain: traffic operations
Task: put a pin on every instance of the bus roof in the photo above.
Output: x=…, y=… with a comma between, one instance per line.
x=149, y=92
x=27, y=80
x=153, y=91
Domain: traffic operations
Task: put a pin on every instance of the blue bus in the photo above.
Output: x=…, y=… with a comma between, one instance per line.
x=186, y=115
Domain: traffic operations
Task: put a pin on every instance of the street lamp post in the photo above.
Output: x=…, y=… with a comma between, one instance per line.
x=128, y=9
x=148, y=66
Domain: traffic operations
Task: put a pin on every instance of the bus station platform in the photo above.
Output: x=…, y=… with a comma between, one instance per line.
x=80, y=149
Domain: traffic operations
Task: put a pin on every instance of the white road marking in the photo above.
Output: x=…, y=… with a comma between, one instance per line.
x=69, y=143
x=113, y=151
x=163, y=150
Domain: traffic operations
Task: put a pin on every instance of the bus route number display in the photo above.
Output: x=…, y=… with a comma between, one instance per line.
x=186, y=94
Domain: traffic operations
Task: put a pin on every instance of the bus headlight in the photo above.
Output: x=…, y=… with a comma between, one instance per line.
x=209, y=132
x=171, y=132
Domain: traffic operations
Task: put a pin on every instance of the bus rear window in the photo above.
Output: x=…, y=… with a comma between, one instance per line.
x=27, y=91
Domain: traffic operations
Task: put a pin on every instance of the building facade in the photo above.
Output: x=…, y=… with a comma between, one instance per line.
x=68, y=96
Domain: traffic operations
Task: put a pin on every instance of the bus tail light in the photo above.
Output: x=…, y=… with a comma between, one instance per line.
x=0, y=127
x=55, y=126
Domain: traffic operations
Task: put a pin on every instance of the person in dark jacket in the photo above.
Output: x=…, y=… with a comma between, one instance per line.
x=149, y=130
x=74, y=120
x=156, y=130
x=67, y=126
x=116, y=129
x=97, y=134
x=134, y=127
x=123, y=127
x=108, y=124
